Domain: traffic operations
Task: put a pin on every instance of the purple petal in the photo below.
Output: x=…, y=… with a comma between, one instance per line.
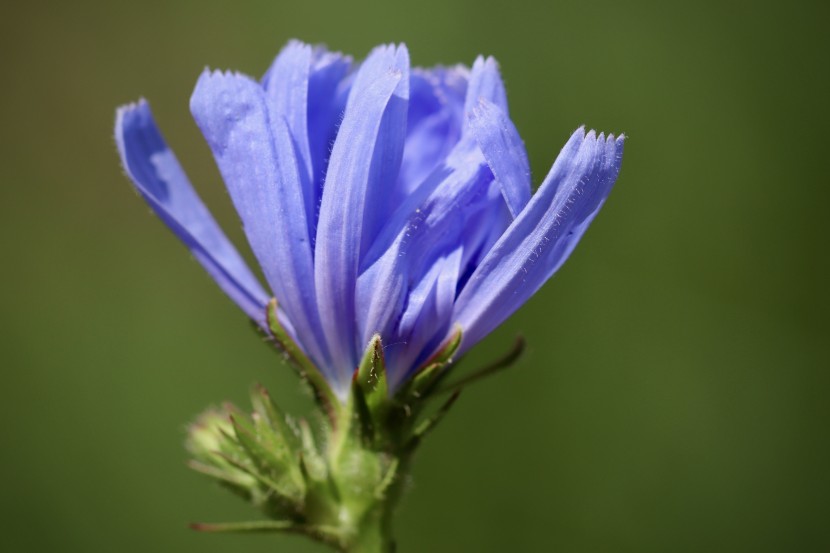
x=483, y=230
x=161, y=181
x=426, y=318
x=286, y=92
x=304, y=85
x=541, y=238
x=256, y=156
x=327, y=94
x=352, y=187
x=505, y=153
x=436, y=108
x=485, y=83
x=386, y=161
x=430, y=223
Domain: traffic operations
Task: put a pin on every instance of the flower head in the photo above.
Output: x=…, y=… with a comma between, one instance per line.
x=379, y=199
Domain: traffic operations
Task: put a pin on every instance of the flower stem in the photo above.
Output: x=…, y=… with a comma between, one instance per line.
x=374, y=533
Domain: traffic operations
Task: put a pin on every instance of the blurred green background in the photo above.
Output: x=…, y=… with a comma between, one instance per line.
x=674, y=395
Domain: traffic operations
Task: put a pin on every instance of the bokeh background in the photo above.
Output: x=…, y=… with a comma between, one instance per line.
x=675, y=393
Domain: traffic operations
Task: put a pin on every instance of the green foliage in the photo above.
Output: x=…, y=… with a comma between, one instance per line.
x=340, y=487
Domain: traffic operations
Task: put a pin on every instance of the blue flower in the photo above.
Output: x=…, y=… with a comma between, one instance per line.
x=377, y=198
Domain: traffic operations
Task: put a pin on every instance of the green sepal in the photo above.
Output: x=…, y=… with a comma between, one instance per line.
x=223, y=476
x=270, y=495
x=504, y=362
x=369, y=400
x=428, y=424
x=246, y=527
x=308, y=372
x=371, y=376
x=361, y=421
x=274, y=467
x=324, y=534
x=341, y=484
x=322, y=494
x=265, y=406
x=311, y=462
x=210, y=440
x=218, y=455
x=445, y=353
x=389, y=479
x=434, y=370
x=246, y=436
x=269, y=419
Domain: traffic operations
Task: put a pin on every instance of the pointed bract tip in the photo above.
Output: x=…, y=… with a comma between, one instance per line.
x=199, y=526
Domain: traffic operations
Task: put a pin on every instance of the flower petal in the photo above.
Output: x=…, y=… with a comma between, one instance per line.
x=286, y=92
x=386, y=161
x=304, y=85
x=541, y=238
x=504, y=151
x=482, y=231
x=430, y=223
x=485, y=82
x=426, y=319
x=327, y=94
x=436, y=108
x=256, y=156
x=161, y=181
x=361, y=152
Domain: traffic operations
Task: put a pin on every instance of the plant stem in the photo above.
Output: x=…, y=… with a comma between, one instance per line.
x=374, y=533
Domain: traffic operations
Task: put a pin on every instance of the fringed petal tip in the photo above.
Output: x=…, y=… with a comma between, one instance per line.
x=214, y=74
x=611, y=137
x=128, y=115
x=542, y=237
x=125, y=109
x=139, y=141
x=485, y=82
x=488, y=62
x=319, y=53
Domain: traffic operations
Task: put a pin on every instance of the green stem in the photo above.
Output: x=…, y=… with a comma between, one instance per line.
x=374, y=533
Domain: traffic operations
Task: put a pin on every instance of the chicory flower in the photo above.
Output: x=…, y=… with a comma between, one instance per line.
x=390, y=209
x=379, y=199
